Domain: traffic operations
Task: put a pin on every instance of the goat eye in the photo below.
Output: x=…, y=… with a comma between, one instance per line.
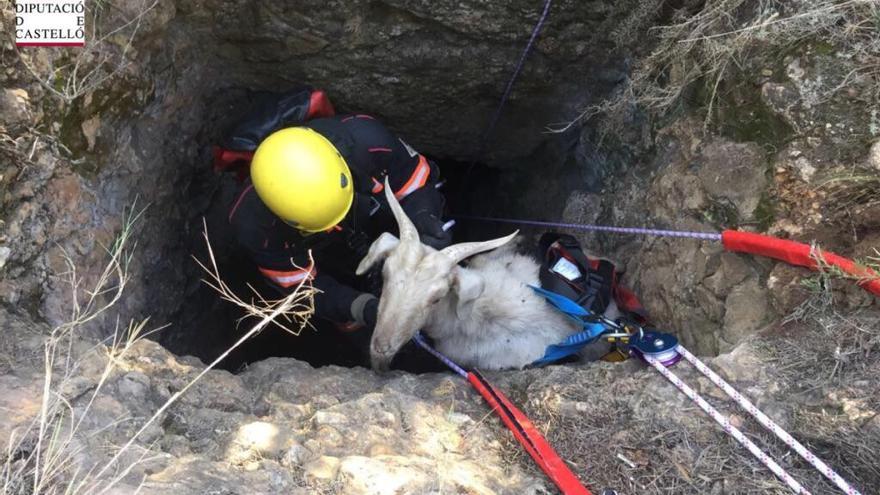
x=434, y=300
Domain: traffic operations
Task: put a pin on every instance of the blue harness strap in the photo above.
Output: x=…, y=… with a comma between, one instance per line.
x=574, y=343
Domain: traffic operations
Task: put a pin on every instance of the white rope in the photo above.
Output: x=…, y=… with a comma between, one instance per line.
x=769, y=423
x=727, y=427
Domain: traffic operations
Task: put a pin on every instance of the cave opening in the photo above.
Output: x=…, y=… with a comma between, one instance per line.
x=440, y=102
x=205, y=326
x=319, y=342
x=439, y=91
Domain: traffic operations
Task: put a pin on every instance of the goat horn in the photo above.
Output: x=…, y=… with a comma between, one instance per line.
x=408, y=232
x=464, y=250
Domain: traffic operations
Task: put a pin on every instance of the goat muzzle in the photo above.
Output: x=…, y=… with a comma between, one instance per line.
x=380, y=364
x=381, y=355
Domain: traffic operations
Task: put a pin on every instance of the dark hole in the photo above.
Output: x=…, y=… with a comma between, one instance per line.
x=210, y=326
x=206, y=326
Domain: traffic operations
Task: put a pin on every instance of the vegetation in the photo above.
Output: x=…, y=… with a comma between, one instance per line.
x=45, y=456
x=854, y=187
x=705, y=47
x=111, y=27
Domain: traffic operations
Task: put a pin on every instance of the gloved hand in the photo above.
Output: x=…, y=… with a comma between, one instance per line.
x=364, y=311
x=430, y=228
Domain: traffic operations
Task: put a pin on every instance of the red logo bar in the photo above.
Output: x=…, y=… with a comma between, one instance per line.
x=26, y=44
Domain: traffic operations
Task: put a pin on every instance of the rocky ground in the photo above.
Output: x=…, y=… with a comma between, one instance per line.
x=282, y=426
x=782, y=155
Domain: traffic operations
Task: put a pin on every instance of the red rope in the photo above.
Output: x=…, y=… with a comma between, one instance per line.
x=800, y=254
x=528, y=436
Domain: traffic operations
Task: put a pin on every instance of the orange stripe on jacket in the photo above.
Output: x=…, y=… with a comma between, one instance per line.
x=418, y=179
x=289, y=278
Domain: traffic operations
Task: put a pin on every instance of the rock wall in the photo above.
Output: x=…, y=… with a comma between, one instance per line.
x=433, y=71
x=764, y=165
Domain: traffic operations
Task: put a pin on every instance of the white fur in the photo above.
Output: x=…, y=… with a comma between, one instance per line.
x=482, y=316
x=507, y=326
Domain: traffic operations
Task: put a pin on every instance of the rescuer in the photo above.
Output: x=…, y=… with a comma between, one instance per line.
x=316, y=185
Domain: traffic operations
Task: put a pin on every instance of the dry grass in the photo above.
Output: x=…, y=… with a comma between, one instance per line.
x=852, y=188
x=705, y=47
x=831, y=341
x=651, y=454
x=832, y=358
x=41, y=458
x=864, y=271
x=48, y=455
x=294, y=313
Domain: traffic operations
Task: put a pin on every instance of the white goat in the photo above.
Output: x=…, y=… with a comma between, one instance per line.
x=484, y=316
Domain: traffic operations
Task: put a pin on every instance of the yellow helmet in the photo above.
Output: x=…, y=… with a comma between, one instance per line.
x=303, y=179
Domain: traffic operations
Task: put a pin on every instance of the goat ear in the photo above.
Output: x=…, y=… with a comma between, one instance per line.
x=469, y=285
x=379, y=250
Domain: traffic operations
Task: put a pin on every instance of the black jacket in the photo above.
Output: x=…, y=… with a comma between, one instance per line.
x=281, y=252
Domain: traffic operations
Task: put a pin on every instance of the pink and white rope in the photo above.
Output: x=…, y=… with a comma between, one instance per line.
x=727, y=427
x=708, y=236
x=769, y=423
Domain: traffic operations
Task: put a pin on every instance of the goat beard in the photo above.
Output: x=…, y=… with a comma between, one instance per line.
x=380, y=364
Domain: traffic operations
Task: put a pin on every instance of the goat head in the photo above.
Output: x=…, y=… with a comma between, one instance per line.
x=416, y=280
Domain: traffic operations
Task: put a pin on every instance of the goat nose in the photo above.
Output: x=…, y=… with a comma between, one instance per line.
x=382, y=349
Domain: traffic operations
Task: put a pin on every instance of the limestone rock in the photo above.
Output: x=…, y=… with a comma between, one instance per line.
x=686, y=284
x=14, y=107
x=323, y=468
x=385, y=475
x=404, y=433
x=786, y=288
x=91, y=129
x=195, y=476
x=741, y=365
x=735, y=172
x=747, y=311
x=782, y=99
x=20, y=402
x=874, y=156
x=5, y=253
